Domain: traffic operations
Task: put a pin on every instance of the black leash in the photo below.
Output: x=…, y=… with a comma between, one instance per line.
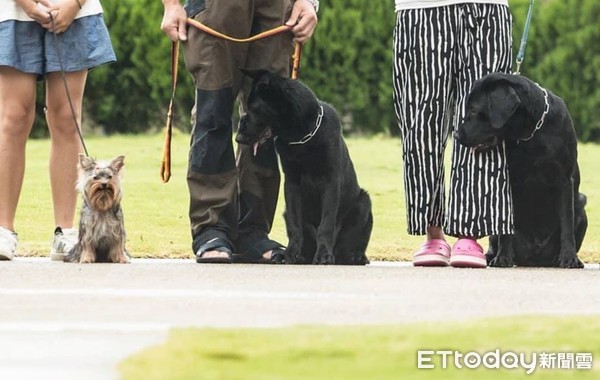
x=64, y=78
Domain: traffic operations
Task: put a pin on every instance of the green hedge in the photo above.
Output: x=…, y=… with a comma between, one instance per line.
x=348, y=63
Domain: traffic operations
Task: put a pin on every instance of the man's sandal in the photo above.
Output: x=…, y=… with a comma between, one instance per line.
x=216, y=244
x=255, y=254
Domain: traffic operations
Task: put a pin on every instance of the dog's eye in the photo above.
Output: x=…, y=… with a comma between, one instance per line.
x=96, y=178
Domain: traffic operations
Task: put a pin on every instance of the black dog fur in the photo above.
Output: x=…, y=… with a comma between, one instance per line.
x=328, y=216
x=549, y=215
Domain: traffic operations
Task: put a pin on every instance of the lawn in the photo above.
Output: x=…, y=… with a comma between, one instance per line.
x=370, y=352
x=156, y=213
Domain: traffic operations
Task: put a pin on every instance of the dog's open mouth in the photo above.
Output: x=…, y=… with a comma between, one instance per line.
x=487, y=145
x=267, y=133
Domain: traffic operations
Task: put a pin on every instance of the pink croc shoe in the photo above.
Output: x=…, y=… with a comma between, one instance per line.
x=466, y=253
x=433, y=253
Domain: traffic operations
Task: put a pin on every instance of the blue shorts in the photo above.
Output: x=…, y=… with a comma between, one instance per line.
x=28, y=47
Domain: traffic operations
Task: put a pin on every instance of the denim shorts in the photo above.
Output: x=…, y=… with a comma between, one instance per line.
x=28, y=47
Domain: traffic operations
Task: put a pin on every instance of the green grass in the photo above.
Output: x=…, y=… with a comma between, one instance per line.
x=363, y=352
x=156, y=213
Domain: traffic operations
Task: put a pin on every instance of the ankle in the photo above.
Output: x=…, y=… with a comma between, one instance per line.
x=435, y=232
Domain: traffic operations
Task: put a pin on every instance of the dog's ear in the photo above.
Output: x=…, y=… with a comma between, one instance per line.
x=117, y=163
x=255, y=74
x=86, y=163
x=503, y=101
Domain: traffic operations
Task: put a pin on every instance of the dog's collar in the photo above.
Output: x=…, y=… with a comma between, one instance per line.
x=542, y=118
x=307, y=138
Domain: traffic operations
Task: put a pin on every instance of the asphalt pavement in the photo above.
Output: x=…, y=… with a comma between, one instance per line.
x=71, y=321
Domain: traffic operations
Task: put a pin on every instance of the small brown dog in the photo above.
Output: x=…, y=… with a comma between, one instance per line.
x=101, y=227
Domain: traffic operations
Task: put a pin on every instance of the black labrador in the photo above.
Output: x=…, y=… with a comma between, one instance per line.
x=549, y=215
x=328, y=216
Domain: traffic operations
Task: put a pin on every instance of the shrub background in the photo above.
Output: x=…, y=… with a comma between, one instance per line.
x=348, y=62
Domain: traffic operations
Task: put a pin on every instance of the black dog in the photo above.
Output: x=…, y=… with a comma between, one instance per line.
x=328, y=216
x=549, y=214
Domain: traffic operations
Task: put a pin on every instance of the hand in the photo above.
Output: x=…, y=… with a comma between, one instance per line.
x=303, y=19
x=36, y=12
x=63, y=13
x=174, y=22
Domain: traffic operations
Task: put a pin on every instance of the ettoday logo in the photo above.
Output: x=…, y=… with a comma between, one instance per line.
x=496, y=359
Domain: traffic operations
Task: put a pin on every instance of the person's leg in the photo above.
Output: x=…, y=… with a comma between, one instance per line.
x=259, y=176
x=212, y=176
x=17, y=112
x=423, y=94
x=480, y=200
x=65, y=143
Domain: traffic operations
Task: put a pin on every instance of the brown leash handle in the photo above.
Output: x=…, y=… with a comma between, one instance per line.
x=267, y=33
x=296, y=60
x=165, y=168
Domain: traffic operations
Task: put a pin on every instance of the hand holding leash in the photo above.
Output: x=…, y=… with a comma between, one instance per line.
x=63, y=14
x=37, y=10
x=174, y=22
x=303, y=20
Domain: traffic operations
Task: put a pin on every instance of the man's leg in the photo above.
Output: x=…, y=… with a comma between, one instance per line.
x=259, y=176
x=212, y=175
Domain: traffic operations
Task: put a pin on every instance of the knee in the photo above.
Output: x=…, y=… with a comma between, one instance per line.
x=60, y=121
x=16, y=121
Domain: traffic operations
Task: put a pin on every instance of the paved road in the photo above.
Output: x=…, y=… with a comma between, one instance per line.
x=67, y=321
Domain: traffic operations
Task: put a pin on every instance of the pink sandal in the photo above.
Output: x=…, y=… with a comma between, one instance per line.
x=433, y=253
x=467, y=253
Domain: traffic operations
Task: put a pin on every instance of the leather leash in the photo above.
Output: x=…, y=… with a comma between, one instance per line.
x=165, y=168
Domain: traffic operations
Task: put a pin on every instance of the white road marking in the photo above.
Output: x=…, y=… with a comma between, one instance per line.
x=191, y=293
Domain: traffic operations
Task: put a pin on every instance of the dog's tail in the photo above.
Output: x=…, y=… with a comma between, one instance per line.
x=581, y=201
x=581, y=221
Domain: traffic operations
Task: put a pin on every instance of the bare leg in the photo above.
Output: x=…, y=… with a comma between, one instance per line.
x=435, y=232
x=17, y=112
x=65, y=145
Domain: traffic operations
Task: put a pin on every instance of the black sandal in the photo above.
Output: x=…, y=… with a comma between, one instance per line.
x=216, y=244
x=254, y=255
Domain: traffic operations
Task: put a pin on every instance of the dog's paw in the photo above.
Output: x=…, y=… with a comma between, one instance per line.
x=87, y=257
x=570, y=262
x=124, y=259
x=501, y=262
x=324, y=259
x=292, y=256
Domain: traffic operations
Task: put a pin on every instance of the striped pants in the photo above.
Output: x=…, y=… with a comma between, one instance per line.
x=438, y=54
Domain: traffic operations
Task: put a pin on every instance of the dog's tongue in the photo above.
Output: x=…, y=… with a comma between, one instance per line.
x=255, y=148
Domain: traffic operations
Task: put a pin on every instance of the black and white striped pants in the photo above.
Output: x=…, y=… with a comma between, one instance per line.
x=438, y=54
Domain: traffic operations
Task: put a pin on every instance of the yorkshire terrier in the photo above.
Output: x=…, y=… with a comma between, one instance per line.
x=101, y=226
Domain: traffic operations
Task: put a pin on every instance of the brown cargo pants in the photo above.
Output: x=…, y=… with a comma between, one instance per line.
x=233, y=198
